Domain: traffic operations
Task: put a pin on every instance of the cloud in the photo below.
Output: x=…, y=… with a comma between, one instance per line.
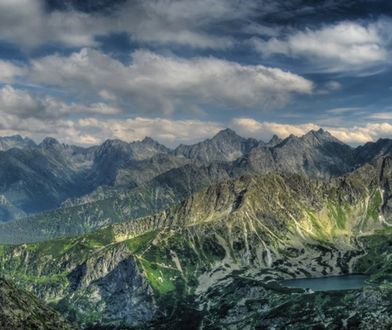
x=189, y=22
x=28, y=24
x=265, y=130
x=254, y=28
x=9, y=71
x=345, y=46
x=162, y=84
x=381, y=115
x=352, y=135
x=343, y=110
x=333, y=85
x=362, y=134
x=171, y=132
x=19, y=104
x=91, y=130
x=178, y=22
x=329, y=87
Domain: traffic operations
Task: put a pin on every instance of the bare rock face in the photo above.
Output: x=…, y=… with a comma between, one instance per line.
x=386, y=184
x=109, y=288
x=224, y=146
x=15, y=141
x=21, y=310
x=317, y=154
x=373, y=150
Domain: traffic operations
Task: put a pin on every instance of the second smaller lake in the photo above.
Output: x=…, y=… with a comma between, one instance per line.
x=328, y=283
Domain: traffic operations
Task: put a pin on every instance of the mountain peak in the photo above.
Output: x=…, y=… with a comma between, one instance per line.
x=225, y=133
x=49, y=142
x=319, y=136
x=274, y=141
x=147, y=148
x=112, y=143
x=15, y=141
x=149, y=141
x=16, y=137
x=319, y=132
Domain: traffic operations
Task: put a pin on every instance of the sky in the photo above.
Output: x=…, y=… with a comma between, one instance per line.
x=180, y=71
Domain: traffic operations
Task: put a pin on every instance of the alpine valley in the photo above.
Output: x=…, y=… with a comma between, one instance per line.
x=140, y=236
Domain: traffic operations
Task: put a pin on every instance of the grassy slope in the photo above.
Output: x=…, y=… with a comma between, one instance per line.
x=229, y=226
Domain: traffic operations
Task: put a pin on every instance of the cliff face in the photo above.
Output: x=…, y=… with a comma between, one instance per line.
x=21, y=310
x=85, y=280
x=110, y=288
x=184, y=260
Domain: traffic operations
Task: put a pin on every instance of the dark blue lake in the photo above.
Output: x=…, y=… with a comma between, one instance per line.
x=328, y=283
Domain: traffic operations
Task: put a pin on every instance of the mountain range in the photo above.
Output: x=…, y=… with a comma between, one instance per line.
x=137, y=235
x=84, y=188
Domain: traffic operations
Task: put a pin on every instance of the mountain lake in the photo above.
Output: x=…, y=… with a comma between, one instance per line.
x=328, y=283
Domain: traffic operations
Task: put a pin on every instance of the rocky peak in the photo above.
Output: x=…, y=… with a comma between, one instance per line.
x=372, y=150
x=149, y=141
x=15, y=141
x=319, y=137
x=226, y=145
x=49, y=143
x=112, y=146
x=227, y=134
x=291, y=140
x=14, y=138
x=386, y=167
x=113, y=142
x=275, y=140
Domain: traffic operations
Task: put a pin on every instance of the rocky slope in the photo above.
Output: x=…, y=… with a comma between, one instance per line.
x=15, y=141
x=214, y=259
x=316, y=154
x=20, y=310
x=35, y=179
x=38, y=178
x=373, y=150
x=224, y=146
x=161, y=192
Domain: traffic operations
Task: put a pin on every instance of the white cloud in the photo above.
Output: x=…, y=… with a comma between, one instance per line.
x=92, y=130
x=261, y=30
x=333, y=85
x=169, y=132
x=329, y=87
x=363, y=134
x=188, y=22
x=29, y=24
x=346, y=46
x=9, y=71
x=343, y=110
x=352, y=135
x=265, y=130
x=156, y=83
x=20, y=104
x=381, y=115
